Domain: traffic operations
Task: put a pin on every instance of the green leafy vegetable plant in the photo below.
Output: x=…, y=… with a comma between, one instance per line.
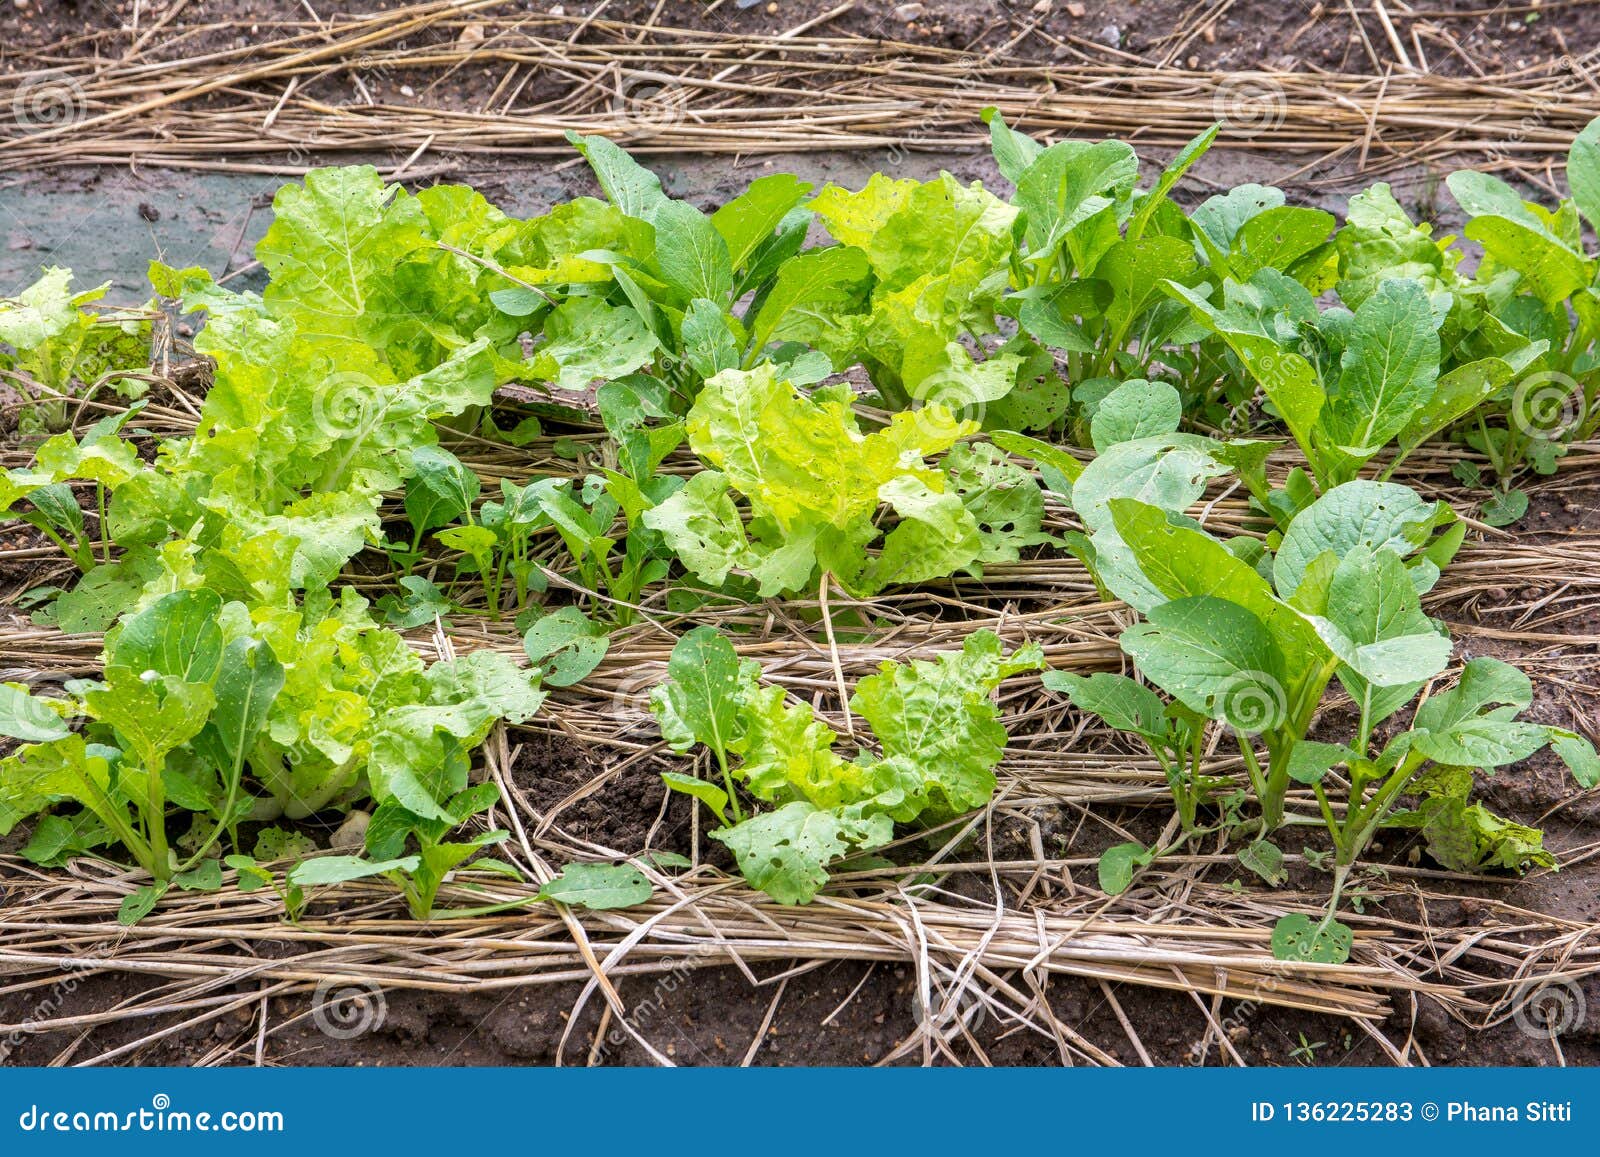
x=1253, y=640
x=61, y=350
x=938, y=735
x=813, y=484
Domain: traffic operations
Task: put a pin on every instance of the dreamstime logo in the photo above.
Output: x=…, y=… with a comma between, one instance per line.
x=655, y=105
x=346, y=403
x=950, y=1017
x=1235, y=1025
x=345, y=1009
x=1252, y=702
x=1248, y=105
x=51, y=1003
x=645, y=1013
x=1280, y=368
x=1547, y=406
x=48, y=101
x=302, y=152
x=954, y=391
x=1549, y=1008
x=629, y=703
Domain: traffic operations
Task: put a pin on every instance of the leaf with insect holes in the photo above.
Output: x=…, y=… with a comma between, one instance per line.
x=1518, y=235
x=1502, y=508
x=938, y=726
x=1376, y=626
x=1215, y=657
x=1389, y=369
x=325, y=871
x=785, y=853
x=1068, y=183
x=248, y=681
x=568, y=644
x=1169, y=472
x=809, y=297
x=1379, y=241
x=1265, y=859
x=1296, y=937
x=440, y=490
x=1136, y=409
x=700, y=701
x=139, y=903
x=154, y=715
x=1583, y=172
x=586, y=338
x=1373, y=515
x=599, y=887
x=1178, y=561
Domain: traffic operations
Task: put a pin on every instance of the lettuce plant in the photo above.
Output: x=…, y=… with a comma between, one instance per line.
x=232, y=714
x=813, y=485
x=938, y=734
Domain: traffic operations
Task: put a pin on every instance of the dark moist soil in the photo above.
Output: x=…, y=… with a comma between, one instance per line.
x=847, y=1013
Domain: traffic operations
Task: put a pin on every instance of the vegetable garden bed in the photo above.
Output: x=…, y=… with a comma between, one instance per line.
x=1001, y=619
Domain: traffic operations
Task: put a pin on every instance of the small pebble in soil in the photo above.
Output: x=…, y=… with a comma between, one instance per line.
x=352, y=834
x=906, y=13
x=1110, y=35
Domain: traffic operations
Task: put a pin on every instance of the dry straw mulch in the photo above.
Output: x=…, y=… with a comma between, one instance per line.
x=263, y=105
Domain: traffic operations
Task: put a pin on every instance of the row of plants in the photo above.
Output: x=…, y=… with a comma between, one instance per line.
x=1086, y=343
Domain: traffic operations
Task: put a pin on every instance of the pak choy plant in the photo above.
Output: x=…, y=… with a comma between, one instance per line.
x=1253, y=640
x=787, y=802
x=611, y=556
x=655, y=285
x=1085, y=274
x=59, y=347
x=1095, y=252
x=1348, y=385
x=1532, y=300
